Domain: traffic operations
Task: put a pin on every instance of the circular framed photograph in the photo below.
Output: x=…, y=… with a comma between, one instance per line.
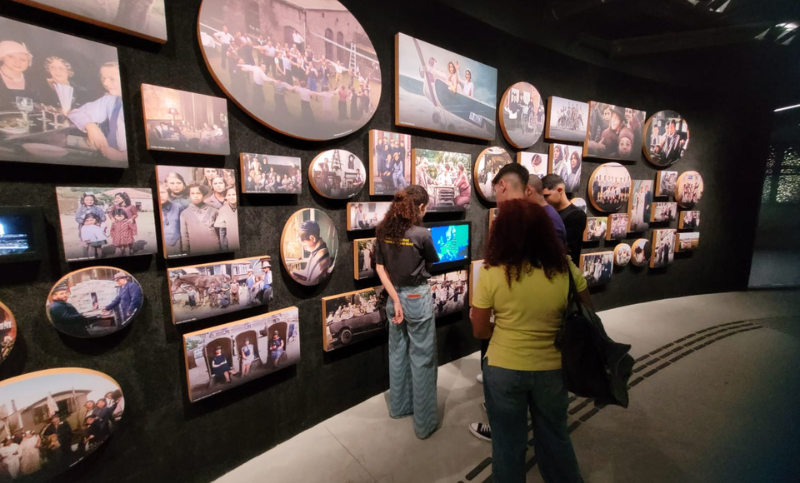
x=610, y=187
x=622, y=254
x=93, y=302
x=308, y=71
x=8, y=331
x=489, y=163
x=309, y=245
x=522, y=119
x=689, y=189
x=337, y=174
x=666, y=138
x=579, y=203
x=640, y=252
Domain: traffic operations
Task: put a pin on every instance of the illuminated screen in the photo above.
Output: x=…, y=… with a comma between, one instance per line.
x=451, y=242
x=16, y=234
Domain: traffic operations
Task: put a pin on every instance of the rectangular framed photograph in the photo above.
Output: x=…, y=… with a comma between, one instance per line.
x=223, y=357
x=567, y=120
x=198, y=210
x=597, y=267
x=438, y=90
x=665, y=183
x=663, y=248
x=689, y=220
x=106, y=222
x=185, y=122
x=450, y=292
x=687, y=241
x=566, y=161
x=364, y=258
x=446, y=176
x=615, y=132
x=596, y=228
x=211, y=289
x=451, y=240
x=366, y=216
x=390, y=168
x=263, y=174
x=352, y=317
x=60, y=99
x=535, y=163
x=639, y=205
x=22, y=235
x=663, y=211
x=618, y=226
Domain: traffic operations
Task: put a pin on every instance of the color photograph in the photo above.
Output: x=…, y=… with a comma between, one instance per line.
x=268, y=174
x=366, y=216
x=446, y=177
x=8, y=331
x=223, y=357
x=640, y=252
x=596, y=228
x=688, y=220
x=364, y=258
x=663, y=211
x=60, y=99
x=614, y=132
x=451, y=242
x=55, y=418
x=522, y=119
x=597, y=267
x=579, y=203
x=352, y=317
x=535, y=163
x=618, y=228
x=640, y=205
x=211, y=289
x=665, y=183
x=390, y=167
x=306, y=69
x=106, y=222
x=486, y=167
x=687, y=242
x=337, y=174
x=198, y=209
x=663, y=248
x=565, y=161
x=449, y=292
x=622, y=254
x=567, y=120
x=666, y=138
x=689, y=189
x=309, y=245
x=439, y=90
x=94, y=302
x=610, y=187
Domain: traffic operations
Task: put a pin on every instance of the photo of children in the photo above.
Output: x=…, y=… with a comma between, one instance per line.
x=639, y=205
x=366, y=216
x=523, y=115
x=8, y=331
x=488, y=164
x=390, y=167
x=688, y=220
x=665, y=183
x=618, y=226
x=449, y=292
x=689, y=189
x=596, y=228
x=610, y=187
x=666, y=138
x=565, y=161
x=309, y=245
x=566, y=119
x=264, y=174
x=663, y=248
x=352, y=317
x=663, y=211
x=445, y=175
x=364, y=258
x=615, y=132
x=597, y=267
x=535, y=163
x=337, y=174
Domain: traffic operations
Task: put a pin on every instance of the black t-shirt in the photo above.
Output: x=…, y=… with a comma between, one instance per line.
x=406, y=263
x=575, y=222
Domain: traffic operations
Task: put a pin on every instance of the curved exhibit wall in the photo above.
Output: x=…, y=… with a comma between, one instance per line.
x=165, y=437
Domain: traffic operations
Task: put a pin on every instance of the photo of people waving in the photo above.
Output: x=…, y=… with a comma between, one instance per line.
x=614, y=132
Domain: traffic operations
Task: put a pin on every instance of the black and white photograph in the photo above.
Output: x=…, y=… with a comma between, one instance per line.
x=615, y=132
x=597, y=267
x=663, y=248
x=268, y=174
x=535, y=163
x=666, y=138
x=367, y=215
x=596, y=228
x=352, y=317
x=640, y=205
x=446, y=177
x=567, y=120
x=390, y=168
x=566, y=161
x=663, y=211
x=688, y=220
x=617, y=226
x=665, y=183
x=522, y=119
x=489, y=162
x=449, y=292
x=364, y=258
x=640, y=252
x=622, y=254
x=337, y=174
x=610, y=187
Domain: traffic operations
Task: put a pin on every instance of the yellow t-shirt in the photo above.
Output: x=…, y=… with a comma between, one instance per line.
x=527, y=316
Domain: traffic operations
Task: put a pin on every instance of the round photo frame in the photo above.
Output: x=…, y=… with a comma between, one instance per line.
x=666, y=138
x=8, y=331
x=610, y=188
x=309, y=246
x=622, y=254
x=337, y=174
x=689, y=189
x=579, y=203
x=488, y=164
x=522, y=117
x=640, y=252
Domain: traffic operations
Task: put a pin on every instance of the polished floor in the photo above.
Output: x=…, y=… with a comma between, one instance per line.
x=713, y=399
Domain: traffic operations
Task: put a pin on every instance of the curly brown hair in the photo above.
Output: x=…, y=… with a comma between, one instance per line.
x=522, y=238
x=403, y=214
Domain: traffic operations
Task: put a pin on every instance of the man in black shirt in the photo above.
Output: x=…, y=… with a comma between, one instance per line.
x=574, y=219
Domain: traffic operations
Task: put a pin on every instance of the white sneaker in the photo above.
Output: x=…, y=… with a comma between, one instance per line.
x=480, y=378
x=481, y=431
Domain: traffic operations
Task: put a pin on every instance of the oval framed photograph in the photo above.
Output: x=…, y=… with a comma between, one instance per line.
x=489, y=163
x=689, y=189
x=8, y=331
x=307, y=70
x=522, y=119
x=666, y=138
x=309, y=245
x=337, y=174
x=622, y=254
x=93, y=302
x=579, y=203
x=610, y=187
x=640, y=252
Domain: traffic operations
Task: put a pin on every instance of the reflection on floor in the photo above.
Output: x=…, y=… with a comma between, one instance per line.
x=711, y=401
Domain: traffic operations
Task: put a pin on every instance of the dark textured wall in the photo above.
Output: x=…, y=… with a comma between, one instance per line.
x=163, y=436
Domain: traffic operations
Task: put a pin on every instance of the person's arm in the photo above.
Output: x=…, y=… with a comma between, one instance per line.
x=136, y=296
x=114, y=303
x=387, y=285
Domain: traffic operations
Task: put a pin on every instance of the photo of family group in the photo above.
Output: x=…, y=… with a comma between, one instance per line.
x=535, y=163
x=352, y=317
x=8, y=331
x=565, y=161
x=264, y=174
x=579, y=203
x=640, y=205
x=439, y=90
x=449, y=292
x=640, y=252
x=364, y=258
x=618, y=226
x=366, y=216
x=445, y=175
x=305, y=69
x=666, y=138
x=226, y=356
x=615, y=132
x=389, y=162
x=663, y=211
x=567, y=120
x=106, y=222
x=597, y=267
x=663, y=248
x=689, y=189
x=622, y=254
x=211, y=289
x=688, y=220
x=596, y=228
x=60, y=99
x=309, y=245
x=665, y=183
x=486, y=167
x=610, y=187
x=53, y=419
x=337, y=174
x=522, y=121
x=198, y=210
x=94, y=302
x=687, y=242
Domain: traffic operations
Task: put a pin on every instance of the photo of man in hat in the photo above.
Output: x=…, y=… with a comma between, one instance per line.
x=64, y=315
x=319, y=264
x=129, y=298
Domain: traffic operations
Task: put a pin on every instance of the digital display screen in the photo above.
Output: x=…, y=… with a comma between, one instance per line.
x=451, y=242
x=16, y=234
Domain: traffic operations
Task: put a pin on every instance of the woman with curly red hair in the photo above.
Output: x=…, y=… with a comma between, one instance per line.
x=405, y=255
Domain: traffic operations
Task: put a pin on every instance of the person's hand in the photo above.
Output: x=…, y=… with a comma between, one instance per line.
x=96, y=138
x=114, y=154
x=398, y=312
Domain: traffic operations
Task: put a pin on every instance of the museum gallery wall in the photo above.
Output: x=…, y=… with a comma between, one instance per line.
x=145, y=353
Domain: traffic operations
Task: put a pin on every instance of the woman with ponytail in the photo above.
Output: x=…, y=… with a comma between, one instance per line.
x=405, y=255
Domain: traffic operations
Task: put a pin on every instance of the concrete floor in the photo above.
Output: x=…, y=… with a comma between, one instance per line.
x=717, y=404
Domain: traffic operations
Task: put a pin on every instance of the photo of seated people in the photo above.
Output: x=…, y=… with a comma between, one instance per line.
x=60, y=99
x=366, y=216
x=390, y=162
x=271, y=174
x=449, y=292
x=309, y=245
x=353, y=317
x=8, y=331
x=595, y=228
x=597, y=267
x=614, y=132
x=198, y=209
x=667, y=138
x=185, y=122
x=226, y=356
x=365, y=255
x=446, y=177
x=337, y=174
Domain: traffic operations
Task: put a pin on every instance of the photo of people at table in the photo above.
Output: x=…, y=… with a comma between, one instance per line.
x=667, y=138
x=663, y=248
x=337, y=174
x=265, y=174
x=615, y=132
x=60, y=99
x=198, y=209
x=389, y=162
x=597, y=267
x=449, y=292
x=446, y=177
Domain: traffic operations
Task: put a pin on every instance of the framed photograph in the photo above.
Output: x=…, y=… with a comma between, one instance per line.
x=185, y=122
x=439, y=90
x=689, y=189
x=596, y=228
x=565, y=161
x=198, y=209
x=268, y=174
x=352, y=317
x=640, y=252
x=93, y=302
x=615, y=132
x=450, y=292
x=618, y=226
x=337, y=174
x=106, y=222
x=689, y=220
x=22, y=235
x=309, y=245
x=665, y=183
x=663, y=211
x=687, y=241
x=597, y=267
x=535, y=163
x=223, y=357
x=366, y=216
x=451, y=240
x=579, y=203
x=364, y=258
x=640, y=205
x=61, y=100
x=445, y=175
x=567, y=120
x=610, y=187
x=666, y=138
x=486, y=167
x=390, y=168
x=8, y=331
x=663, y=248
x=622, y=254
x=522, y=119
x=203, y=291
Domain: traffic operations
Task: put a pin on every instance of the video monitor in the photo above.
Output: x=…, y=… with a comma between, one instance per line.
x=21, y=234
x=451, y=241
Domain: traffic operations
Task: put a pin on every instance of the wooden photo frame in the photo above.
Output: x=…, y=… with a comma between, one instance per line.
x=596, y=228
x=522, y=119
x=269, y=174
x=567, y=161
x=337, y=174
x=641, y=249
x=309, y=246
x=366, y=215
x=535, y=163
x=618, y=226
x=352, y=317
x=579, y=203
x=610, y=188
x=662, y=211
x=364, y=258
x=666, y=138
x=597, y=267
x=687, y=241
x=622, y=254
x=390, y=165
x=489, y=162
x=689, y=189
x=640, y=205
x=8, y=331
x=663, y=253
x=446, y=177
x=566, y=120
x=688, y=220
